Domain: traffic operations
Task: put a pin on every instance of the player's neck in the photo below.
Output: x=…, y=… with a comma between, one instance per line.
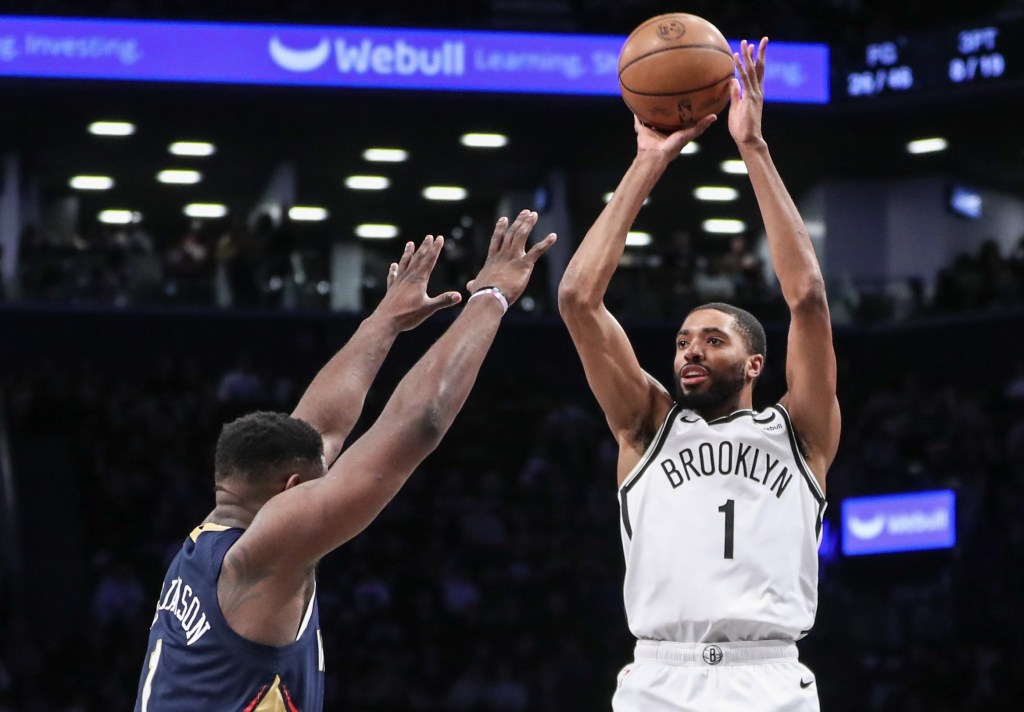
x=233, y=509
x=725, y=408
x=230, y=516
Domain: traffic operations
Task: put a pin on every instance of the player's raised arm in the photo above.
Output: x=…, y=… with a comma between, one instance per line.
x=334, y=399
x=811, y=360
x=294, y=529
x=633, y=402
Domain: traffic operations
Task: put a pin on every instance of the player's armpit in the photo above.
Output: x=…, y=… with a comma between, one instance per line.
x=633, y=401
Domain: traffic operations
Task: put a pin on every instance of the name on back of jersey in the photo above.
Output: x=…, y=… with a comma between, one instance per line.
x=182, y=603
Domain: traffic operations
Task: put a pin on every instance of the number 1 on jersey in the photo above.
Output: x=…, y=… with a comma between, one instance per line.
x=729, y=510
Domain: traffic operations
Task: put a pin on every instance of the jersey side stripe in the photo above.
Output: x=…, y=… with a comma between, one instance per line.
x=653, y=448
x=641, y=467
x=805, y=471
x=798, y=454
x=309, y=613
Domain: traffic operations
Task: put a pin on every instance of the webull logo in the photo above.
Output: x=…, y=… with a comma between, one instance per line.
x=910, y=523
x=367, y=56
x=903, y=522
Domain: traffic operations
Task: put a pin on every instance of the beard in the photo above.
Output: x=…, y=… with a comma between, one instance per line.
x=723, y=387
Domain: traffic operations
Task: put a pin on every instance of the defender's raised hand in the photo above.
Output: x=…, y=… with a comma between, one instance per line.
x=509, y=264
x=406, y=301
x=747, y=105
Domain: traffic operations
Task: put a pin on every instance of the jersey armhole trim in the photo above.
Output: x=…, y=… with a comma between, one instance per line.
x=652, y=449
x=638, y=471
x=798, y=454
x=805, y=471
x=309, y=612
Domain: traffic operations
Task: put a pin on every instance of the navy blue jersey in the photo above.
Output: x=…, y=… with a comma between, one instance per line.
x=196, y=662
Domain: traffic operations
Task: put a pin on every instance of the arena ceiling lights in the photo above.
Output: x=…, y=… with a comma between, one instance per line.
x=734, y=166
x=484, y=140
x=307, y=213
x=179, y=177
x=638, y=239
x=376, y=231
x=690, y=148
x=715, y=193
x=724, y=226
x=206, y=210
x=927, y=145
x=119, y=217
x=91, y=182
x=192, y=148
x=385, y=155
x=367, y=182
x=111, y=128
x=445, y=192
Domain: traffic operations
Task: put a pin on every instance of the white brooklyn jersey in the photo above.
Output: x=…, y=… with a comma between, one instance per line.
x=721, y=522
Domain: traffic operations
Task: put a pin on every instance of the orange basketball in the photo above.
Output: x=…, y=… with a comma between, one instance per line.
x=674, y=70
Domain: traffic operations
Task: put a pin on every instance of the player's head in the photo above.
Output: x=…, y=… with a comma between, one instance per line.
x=263, y=450
x=720, y=352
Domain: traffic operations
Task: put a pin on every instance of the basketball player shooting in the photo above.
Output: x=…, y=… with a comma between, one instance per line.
x=721, y=506
x=236, y=626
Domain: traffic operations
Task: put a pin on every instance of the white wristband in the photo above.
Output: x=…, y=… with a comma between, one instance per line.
x=494, y=292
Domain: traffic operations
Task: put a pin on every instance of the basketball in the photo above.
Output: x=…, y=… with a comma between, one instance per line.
x=674, y=70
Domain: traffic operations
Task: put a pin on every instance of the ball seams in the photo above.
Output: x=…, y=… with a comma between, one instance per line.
x=716, y=48
x=676, y=92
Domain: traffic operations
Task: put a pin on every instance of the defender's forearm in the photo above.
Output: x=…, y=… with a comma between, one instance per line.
x=427, y=400
x=334, y=399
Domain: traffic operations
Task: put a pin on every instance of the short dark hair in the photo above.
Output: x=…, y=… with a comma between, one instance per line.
x=746, y=322
x=261, y=445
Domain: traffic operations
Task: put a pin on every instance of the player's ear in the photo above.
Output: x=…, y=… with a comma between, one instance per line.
x=755, y=364
x=293, y=480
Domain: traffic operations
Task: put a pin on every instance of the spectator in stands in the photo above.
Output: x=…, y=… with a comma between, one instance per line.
x=744, y=268
x=235, y=266
x=189, y=268
x=997, y=288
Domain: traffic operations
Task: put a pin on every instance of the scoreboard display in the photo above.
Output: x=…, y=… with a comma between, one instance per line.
x=939, y=61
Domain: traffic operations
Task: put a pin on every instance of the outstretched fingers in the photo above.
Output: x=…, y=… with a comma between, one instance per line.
x=403, y=261
x=520, y=231
x=425, y=258
x=740, y=60
x=507, y=236
x=497, y=236
x=750, y=68
x=762, y=49
x=538, y=250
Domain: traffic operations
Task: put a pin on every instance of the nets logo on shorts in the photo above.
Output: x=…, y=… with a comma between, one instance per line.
x=712, y=655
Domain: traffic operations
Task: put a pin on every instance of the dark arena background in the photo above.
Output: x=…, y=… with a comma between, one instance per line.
x=139, y=310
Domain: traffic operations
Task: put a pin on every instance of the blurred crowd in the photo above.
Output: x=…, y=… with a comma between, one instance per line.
x=493, y=580
x=266, y=265
x=210, y=263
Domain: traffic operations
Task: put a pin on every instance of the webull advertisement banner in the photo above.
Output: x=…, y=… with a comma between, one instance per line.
x=382, y=58
x=900, y=522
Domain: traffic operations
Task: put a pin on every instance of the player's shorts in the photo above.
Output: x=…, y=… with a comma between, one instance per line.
x=761, y=676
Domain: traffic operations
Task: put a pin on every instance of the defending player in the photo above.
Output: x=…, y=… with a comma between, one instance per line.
x=236, y=626
x=721, y=505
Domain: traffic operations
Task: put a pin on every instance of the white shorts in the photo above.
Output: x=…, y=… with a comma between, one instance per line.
x=761, y=676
